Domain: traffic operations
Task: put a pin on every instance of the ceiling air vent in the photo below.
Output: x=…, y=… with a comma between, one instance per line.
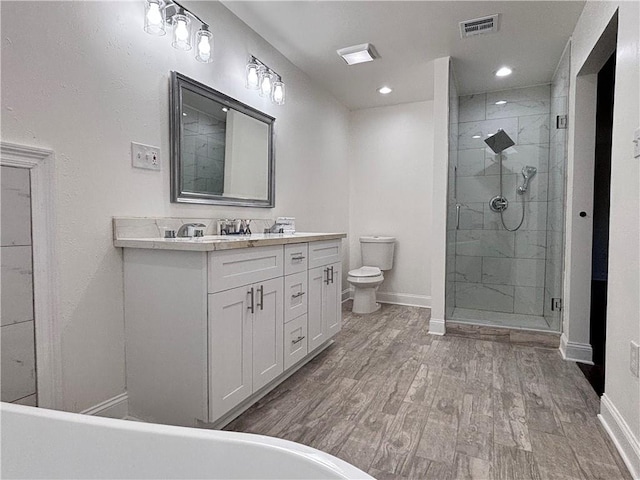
x=479, y=26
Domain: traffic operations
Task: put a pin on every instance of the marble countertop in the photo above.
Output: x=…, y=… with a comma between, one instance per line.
x=224, y=242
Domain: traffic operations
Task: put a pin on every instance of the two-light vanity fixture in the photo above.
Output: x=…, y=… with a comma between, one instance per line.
x=162, y=13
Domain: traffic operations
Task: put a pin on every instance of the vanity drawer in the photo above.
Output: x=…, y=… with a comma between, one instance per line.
x=295, y=295
x=295, y=341
x=295, y=258
x=234, y=268
x=324, y=253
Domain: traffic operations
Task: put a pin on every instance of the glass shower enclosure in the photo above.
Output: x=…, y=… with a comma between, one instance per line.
x=504, y=268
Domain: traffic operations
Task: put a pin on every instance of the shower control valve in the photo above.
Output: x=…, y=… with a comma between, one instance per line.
x=498, y=203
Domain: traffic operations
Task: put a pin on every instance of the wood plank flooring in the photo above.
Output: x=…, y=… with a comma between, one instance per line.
x=402, y=404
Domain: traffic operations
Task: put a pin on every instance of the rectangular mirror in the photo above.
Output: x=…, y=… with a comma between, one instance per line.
x=222, y=150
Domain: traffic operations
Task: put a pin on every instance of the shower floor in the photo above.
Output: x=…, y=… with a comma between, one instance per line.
x=499, y=319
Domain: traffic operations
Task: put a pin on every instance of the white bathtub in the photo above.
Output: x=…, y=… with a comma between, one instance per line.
x=40, y=443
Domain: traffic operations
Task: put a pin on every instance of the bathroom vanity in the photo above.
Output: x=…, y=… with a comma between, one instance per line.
x=213, y=323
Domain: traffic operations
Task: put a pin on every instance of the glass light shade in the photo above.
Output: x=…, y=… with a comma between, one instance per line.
x=204, y=45
x=266, y=79
x=252, y=76
x=277, y=92
x=181, y=31
x=154, y=22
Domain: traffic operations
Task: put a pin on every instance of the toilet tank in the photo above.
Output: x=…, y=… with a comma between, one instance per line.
x=377, y=251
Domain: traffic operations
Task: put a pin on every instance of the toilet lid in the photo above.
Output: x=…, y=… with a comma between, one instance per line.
x=365, y=272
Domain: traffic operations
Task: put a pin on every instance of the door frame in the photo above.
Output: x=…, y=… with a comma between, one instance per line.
x=40, y=163
x=575, y=341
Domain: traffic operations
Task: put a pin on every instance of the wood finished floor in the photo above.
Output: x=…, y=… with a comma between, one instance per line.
x=402, y=404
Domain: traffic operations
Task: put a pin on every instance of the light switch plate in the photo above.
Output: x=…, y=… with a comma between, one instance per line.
x=636, y=142
x=145, y=156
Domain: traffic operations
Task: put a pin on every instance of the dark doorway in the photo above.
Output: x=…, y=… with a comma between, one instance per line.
x=601, y=208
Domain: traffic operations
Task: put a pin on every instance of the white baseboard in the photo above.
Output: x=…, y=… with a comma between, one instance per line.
x=408, y=299
x=346, y=295
x=437, y=326
x=116, y=407
x=576, y=352
x=628, y=446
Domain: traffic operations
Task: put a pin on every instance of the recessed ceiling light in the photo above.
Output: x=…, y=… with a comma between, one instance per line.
x=358, y=53
x=501, y=102
x=503, y=72
x=385, y=90
x=477, y=136
x=225, y=109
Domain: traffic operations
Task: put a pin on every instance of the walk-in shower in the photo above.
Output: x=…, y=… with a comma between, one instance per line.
x=506, y=205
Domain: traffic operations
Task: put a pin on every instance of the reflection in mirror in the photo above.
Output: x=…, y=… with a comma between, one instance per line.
x=222, y=150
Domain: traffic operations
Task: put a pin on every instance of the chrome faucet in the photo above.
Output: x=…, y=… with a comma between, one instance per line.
x=190, y=229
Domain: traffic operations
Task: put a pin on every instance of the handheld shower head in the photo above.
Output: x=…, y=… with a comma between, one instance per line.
x=499, y=141
x=528, y=173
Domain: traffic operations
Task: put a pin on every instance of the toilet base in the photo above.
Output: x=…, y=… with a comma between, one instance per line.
x=364, y=301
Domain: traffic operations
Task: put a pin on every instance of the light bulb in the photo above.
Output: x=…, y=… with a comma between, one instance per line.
x=181, y=31
x=204, y=45
x=265, y=83
x=503, y=72
x=277, y=92
x=252, y=80
x=154, y=18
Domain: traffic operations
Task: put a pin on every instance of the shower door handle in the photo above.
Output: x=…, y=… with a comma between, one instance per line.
x=458, y=206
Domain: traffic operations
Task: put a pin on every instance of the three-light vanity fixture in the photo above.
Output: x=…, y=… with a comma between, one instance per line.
x=258, y=76
x=161, y=14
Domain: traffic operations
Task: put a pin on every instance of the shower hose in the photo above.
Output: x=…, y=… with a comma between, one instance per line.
x=502, y=211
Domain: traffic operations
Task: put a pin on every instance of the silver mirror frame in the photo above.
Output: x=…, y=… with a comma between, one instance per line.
x=177, y=83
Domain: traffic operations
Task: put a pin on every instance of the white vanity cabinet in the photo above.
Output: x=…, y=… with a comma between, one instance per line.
x=209, y=332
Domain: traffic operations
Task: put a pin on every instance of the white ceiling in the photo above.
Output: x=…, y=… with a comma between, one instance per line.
x=408, y=35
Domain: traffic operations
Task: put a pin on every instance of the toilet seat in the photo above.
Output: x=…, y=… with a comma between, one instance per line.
x=365, y=272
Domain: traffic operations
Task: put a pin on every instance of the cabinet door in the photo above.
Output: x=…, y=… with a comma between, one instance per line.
x=230, y=347
x=268, y=342
x=317, y=327
x=332, y=304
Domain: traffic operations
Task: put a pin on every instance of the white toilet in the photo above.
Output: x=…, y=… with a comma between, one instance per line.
x=377, y=255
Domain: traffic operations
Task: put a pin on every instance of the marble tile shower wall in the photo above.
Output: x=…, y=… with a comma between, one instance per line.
x=558, y=155
x=17, y=330
x=203, y=152
x=498, y=270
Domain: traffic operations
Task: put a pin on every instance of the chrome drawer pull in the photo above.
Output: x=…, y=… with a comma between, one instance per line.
x=298, y=258
x=251, y=306
x=261, y=292
x=296, y=295
x=297, y=340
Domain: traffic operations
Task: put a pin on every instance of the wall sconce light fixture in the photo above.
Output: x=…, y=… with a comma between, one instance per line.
x=160, y=13
x=258, y=76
